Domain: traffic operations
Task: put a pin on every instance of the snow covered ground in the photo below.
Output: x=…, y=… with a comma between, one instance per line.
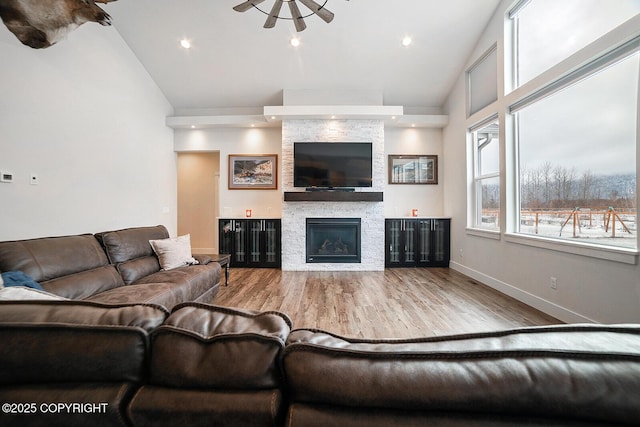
x=588, y=228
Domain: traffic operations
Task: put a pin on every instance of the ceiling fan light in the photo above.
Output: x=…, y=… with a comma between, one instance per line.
x=406, y=41
x=185, y=43
x=295, y=42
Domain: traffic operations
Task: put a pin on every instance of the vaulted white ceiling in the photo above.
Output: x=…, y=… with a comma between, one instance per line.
x=234, y=62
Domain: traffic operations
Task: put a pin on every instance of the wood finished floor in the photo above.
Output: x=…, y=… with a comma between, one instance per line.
x=395, y=303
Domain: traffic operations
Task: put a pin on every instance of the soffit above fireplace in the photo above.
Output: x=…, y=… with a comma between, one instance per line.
x=272, y=116
x=328, y=112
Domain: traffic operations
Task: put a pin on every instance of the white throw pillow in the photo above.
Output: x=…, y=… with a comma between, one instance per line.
x=1, y=281
x=173, y=252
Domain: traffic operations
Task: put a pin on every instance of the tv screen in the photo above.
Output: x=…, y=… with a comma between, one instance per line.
x=332, y=164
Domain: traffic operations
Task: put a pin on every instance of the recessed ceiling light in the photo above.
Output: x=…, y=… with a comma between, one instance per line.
x=295, y=42
x=185, y=43
x=406, y=41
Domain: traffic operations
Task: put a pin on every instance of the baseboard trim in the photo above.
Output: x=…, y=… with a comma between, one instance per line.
x=550, y=308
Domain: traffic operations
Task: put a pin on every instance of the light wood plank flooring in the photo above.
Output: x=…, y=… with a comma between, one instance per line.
x=395, y=303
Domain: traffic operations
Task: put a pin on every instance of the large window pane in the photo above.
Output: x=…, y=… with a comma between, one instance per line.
x=577, y=159
x=486, y=153
x=552, y=30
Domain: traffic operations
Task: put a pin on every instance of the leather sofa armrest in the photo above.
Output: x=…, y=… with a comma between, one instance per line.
x=75, y=341
x=207, y=346
x=202, y=259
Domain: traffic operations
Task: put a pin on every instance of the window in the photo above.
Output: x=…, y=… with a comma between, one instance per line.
x=482, y=81
x=486, y=176
x=549, y=31
x=576, y=143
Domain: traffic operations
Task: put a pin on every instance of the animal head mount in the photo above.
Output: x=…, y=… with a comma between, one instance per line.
x=41, y=23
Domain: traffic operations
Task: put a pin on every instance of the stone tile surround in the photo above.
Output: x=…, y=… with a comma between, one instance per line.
x=294, y=214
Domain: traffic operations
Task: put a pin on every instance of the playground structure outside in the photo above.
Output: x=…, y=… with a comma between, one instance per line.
x=606, y=226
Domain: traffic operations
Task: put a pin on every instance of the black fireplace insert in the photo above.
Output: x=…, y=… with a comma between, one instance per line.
x=333, y=240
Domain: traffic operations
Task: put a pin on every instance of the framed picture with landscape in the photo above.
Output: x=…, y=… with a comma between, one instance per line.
x=413, y=169
x=253, y=172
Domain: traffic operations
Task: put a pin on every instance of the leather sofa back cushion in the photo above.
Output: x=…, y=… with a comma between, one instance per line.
x=215, y=347
x=73, y=341
x=70, y=266
x=594, y=371
x=131, y=251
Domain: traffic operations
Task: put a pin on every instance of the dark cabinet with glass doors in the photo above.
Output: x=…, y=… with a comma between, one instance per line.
x=417, y=242
x=251, y=242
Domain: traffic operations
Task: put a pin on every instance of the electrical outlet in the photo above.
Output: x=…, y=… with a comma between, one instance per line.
x=554, y=283
x=461, y=253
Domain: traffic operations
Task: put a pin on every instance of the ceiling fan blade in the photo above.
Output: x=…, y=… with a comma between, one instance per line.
x=273, y=16
x=297, y=17
x=243, y=7
x=324, y=14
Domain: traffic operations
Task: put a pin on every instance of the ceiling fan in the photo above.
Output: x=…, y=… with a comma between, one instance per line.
x=296, y=15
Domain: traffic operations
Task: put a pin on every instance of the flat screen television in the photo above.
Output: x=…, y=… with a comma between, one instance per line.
x=332, y=164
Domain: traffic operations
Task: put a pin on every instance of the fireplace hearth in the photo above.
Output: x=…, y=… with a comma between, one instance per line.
x=333, y=240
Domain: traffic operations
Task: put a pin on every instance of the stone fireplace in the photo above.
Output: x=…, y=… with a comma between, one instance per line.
x=331, y=240
x=370, y=214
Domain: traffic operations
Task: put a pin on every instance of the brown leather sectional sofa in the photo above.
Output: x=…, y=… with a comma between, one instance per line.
x=77, y=363
x=88, y=363
x=114, y=267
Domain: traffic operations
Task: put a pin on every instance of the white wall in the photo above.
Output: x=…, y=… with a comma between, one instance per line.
x=233, y=203
x=399, y=200
x=85, y=117
x=589, y=289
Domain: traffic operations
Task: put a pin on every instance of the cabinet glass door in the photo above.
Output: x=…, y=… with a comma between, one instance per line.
x=226, y=236
x=255, y=231
x=424, y=234
x=394, y=240
x=271, y=235
x=410, y=229
x=440, y=239
x=239, y=239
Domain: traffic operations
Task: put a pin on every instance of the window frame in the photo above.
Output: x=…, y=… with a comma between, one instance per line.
x=606, y=50
x=475, y=202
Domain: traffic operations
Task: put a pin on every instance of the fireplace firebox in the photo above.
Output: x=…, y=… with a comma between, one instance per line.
x=333, y=240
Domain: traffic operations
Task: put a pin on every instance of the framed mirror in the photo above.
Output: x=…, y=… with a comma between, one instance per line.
x=413, y=169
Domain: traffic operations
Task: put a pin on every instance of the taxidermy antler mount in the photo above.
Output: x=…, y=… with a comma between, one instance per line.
x=41, y=23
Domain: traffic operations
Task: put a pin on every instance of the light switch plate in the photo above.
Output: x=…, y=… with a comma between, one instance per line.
x=6, y=176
